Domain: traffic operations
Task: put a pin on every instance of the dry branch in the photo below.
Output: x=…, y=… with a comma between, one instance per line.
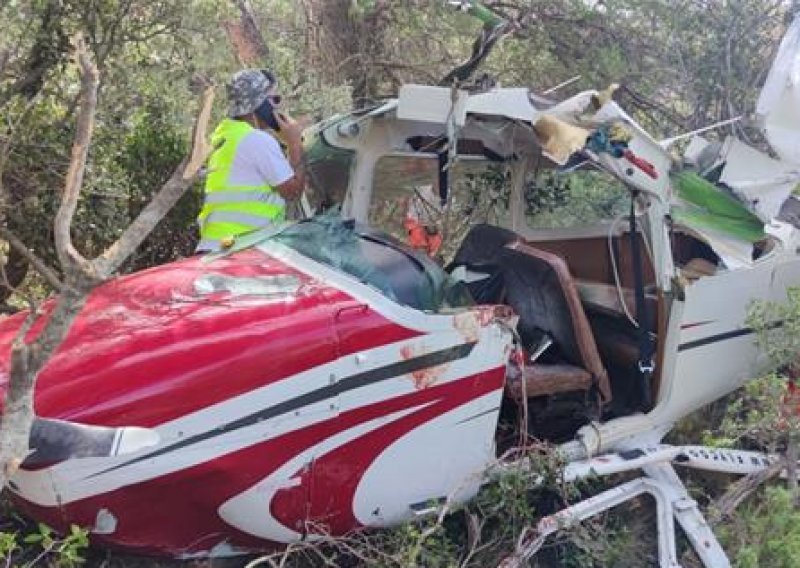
x=169, y=194
x=725, y=506
x=145, y=222
x=81, y=276
x=69, y=258
x=26, y=361
x=47, y=273
x=200, y=148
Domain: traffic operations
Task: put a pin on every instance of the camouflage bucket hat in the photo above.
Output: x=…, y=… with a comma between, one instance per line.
x=247, y=90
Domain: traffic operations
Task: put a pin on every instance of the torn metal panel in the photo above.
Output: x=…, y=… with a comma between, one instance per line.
x=701, y=154
x=55, y=441
x=761, y=182
x=432, y=104
x=438, y=104
x=734, y=253
x=511, y=103
x=574, y=106
x=703, y=205
x=642, y=145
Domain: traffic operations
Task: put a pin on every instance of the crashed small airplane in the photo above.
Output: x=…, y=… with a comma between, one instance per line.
x=323, y=377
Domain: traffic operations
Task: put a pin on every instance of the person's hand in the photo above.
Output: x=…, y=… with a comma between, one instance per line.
x=291, y=131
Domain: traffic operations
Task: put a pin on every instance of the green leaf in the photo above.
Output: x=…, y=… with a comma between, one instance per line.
x=32, y=538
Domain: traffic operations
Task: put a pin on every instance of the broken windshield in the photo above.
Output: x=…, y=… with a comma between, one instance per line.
x=374, y=258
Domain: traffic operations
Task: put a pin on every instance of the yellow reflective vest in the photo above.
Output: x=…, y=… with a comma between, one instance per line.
x=231, y=210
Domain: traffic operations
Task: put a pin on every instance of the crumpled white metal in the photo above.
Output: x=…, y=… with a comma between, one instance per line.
x=778, y=105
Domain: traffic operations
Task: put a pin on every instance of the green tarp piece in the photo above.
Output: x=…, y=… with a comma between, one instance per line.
x=705, y=206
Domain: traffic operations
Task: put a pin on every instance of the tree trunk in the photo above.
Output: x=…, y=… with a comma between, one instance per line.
x=246, y=38
x=347, y=47
x=27, y=360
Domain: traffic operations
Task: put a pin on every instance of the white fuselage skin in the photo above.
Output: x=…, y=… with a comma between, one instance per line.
x=709, y=350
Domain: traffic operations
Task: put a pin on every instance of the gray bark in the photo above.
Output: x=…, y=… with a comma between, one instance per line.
x=30, y=355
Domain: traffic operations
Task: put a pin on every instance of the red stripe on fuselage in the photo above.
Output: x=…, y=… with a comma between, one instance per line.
x=337, y=474
x=148, y=349
x=176, y=514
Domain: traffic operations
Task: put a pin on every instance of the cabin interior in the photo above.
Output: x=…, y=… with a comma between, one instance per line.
x=570, y=272
x=573, y=288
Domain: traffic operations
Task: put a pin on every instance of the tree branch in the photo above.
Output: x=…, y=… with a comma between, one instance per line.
x=69, y=257
x=18, y=408
x=200, y=147
x=47, y=273
x=741, y=490
x=81, y=276
x=167, y=196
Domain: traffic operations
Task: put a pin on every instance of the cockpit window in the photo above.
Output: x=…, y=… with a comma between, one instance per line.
x=408, y=188
x=374, y=258
x=563, y=200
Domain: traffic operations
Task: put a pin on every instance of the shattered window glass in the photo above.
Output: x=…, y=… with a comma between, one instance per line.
x=396, y=184
x=375, y=258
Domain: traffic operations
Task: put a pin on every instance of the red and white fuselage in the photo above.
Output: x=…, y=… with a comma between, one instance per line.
x=293, y=400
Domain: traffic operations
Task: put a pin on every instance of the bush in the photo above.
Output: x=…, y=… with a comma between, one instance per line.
x=39, y=545
x=764, y=532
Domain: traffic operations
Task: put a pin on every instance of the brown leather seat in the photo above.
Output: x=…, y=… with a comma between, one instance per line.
x=538, y=286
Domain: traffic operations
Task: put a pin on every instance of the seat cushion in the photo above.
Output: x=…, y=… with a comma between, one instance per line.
x=481, y=246
x=541, y=380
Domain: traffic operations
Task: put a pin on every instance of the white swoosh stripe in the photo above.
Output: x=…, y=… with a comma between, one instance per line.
x=254, y=503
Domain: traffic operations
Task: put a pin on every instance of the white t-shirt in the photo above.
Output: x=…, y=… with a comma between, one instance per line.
x=259, y=160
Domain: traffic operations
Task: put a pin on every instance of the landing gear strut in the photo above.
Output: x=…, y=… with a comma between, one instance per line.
x=660, y=481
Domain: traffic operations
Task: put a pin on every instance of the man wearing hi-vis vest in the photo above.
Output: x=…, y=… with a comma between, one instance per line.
x=249, y=178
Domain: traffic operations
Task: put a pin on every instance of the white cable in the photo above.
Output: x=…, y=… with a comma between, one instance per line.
x=615, y=270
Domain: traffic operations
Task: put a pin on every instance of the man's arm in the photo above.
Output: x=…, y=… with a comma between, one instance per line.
x=291, y=132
